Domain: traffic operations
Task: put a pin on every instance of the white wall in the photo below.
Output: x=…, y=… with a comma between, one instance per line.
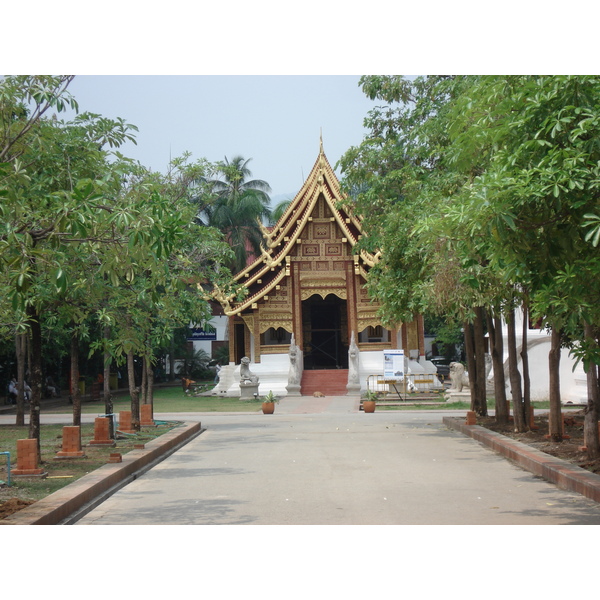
x=573, y=384
x=220, y=324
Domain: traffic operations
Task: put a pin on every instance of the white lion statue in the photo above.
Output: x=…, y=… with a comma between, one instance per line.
x=246, y=375
x=458, y=377
x=353, y=354
x=295, y=367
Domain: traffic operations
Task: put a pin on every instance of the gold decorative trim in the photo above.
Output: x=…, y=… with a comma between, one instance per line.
x=306, y=293
x=266, y=324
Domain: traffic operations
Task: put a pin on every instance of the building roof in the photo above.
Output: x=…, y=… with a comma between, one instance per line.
x=268, y=270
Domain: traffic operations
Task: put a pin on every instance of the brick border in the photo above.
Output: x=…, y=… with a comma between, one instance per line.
x=562, y=473
x=67, y=505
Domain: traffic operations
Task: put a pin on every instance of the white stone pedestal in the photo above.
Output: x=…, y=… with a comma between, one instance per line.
x=248, y=391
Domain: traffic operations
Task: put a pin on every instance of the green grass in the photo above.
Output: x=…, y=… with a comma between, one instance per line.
x=168, y=400
x=542, y=405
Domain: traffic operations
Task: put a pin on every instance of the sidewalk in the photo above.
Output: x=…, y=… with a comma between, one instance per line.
x=322, y=461
x=318, y=461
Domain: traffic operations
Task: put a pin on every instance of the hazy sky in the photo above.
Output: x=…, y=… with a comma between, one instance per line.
x=274, y=120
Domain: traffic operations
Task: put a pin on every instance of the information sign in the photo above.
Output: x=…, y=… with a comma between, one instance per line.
x=393, y=365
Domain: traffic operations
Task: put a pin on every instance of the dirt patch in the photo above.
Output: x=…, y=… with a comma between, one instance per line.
x=25, y=491
x=568, y=450
x=12, y=505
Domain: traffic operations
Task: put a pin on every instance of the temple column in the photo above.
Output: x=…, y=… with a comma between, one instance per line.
x=421, y=333
x=351, y=301
x=297, y=307
x=232, y=339
x=256, y=338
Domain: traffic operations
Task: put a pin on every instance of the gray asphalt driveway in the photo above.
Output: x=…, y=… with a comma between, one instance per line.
x=325, y=463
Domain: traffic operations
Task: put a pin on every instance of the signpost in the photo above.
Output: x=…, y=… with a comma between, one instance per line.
x=393, y=368
x=202, y=333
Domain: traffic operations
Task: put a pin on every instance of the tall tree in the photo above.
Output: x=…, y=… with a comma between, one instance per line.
x=238, y=204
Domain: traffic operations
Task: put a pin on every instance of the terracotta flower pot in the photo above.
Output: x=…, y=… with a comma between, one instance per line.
x=268, y=408
x=369, y=406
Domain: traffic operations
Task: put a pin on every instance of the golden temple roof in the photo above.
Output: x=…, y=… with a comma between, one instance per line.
x=268, y=270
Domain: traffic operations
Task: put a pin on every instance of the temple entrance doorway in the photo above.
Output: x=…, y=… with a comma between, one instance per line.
x=325, y=324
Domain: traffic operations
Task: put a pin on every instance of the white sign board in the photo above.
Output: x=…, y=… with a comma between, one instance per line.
x=393, y=365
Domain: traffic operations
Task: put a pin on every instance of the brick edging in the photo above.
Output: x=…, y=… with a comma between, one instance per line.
x=58, y=507
x=560, y=472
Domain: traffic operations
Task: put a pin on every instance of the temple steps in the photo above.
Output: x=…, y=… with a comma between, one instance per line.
x=330, y=382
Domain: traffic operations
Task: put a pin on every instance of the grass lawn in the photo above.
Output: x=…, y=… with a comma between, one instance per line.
x=461, y=406
x=168, y=400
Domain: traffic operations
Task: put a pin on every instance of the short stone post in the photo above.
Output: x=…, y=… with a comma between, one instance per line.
x=27, y=460
x=562, y=429
x=532, y=424
x=125, y=422
x=510, y=417
x=71, y=444
x=146, y=419
x=102, y=432
x=471, y=418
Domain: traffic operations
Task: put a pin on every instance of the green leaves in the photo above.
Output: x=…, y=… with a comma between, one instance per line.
x=476, y=187
x=593, y=235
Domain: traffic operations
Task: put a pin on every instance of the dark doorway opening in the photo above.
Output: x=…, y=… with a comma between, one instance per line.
x=324, y=324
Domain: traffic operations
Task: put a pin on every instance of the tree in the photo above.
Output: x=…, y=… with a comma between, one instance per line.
x=481, y=191
x=70, y=227
x=279, y=210
x=236, y=208
x=143, y=308
x=46, y=205
x=541, y=184
x=399, y=180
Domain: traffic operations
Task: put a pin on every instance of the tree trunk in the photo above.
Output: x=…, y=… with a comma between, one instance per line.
x=497, y=353
x=172, y=358
x=514, y=374
x=555, y=417
x=149, y=399
x=144, y=384
x=20, y=346
x=591, y=436
x=35, y=369
x=470, y=356
x=108, y=404
x=75, y=394
x=134, y=392
x=525, y=365
x=479, y=338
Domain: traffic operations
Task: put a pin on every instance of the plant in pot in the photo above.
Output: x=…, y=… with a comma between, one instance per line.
x=268, y=404
x=368, y=403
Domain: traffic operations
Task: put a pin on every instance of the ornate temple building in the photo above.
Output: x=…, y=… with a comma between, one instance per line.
x=307, y=302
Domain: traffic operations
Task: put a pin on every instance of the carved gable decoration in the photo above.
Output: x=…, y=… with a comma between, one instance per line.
x=313, y=238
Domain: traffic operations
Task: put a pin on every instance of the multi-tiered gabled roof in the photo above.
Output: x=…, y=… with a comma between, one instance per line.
x=267, y=271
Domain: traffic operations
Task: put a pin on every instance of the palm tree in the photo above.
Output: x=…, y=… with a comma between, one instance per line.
x=279, y=210
x=238, y=205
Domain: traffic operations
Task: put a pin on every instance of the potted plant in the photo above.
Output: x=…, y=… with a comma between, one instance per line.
x=369, y=402
x=268, y=405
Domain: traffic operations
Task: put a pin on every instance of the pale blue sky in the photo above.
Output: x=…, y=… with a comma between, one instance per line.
x=274, y=120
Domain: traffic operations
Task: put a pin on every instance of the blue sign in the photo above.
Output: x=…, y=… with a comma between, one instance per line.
x=199, y=333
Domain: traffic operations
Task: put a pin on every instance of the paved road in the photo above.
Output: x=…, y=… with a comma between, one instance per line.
x=321, y=462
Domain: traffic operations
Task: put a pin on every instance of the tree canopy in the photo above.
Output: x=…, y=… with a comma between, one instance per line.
x=87, y=234
x=482, y=191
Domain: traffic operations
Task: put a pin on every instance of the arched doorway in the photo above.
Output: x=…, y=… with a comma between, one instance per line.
x=325, y=327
